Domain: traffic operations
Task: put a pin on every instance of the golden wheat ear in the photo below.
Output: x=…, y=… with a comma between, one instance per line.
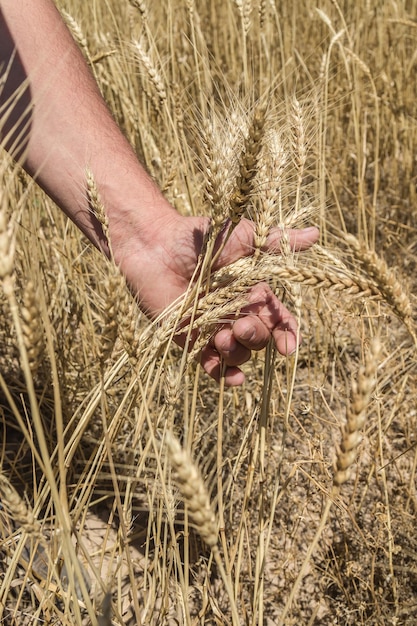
x=356, y=414
x=389, y=285
x=248, y=164
x=193, y=490
x=32, y=327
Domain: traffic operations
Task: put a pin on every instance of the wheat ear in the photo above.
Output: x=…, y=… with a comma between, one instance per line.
x=194, y=493
x=97, y=206
x=213, y=165
x=32, y=327
x=386, y=280
x=153, y=74
x=80, y=38
x=193, y=490
x=268, y=202
x=245, y=272
x=248, y=165
x=245, y=11
x=76, y=32
x=115, y=287
x=356, y=414
x=298, y=141
x=20, y=513
x=141, y=7
x=263, y=11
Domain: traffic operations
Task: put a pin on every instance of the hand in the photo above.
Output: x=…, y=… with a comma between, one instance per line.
x=160, y=270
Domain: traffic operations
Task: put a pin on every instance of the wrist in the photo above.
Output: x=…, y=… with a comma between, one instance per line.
x=137, y=216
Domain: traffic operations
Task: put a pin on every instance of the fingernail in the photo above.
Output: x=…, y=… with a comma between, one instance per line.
x=297, y=343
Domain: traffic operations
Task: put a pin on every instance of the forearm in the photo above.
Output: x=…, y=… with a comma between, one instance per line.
x=69, y=128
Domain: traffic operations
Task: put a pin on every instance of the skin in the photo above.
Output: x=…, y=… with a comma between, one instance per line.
x=60, y=126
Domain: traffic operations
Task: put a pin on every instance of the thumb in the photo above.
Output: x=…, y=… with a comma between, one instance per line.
x=241, y=241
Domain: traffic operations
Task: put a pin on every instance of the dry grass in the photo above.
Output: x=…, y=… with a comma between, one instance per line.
x=290, y=114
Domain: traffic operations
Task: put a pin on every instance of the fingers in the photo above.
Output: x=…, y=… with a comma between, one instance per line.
x=263, y=318
x=230, y=349
x=212, y=363
x=223, y=357
x=247, y=333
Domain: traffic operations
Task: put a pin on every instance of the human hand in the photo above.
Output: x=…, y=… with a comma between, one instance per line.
x=160, y=270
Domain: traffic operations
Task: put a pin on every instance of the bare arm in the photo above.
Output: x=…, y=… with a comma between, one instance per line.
x=68, y=127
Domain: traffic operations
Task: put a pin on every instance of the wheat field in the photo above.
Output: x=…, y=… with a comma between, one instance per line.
x=134, y=489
